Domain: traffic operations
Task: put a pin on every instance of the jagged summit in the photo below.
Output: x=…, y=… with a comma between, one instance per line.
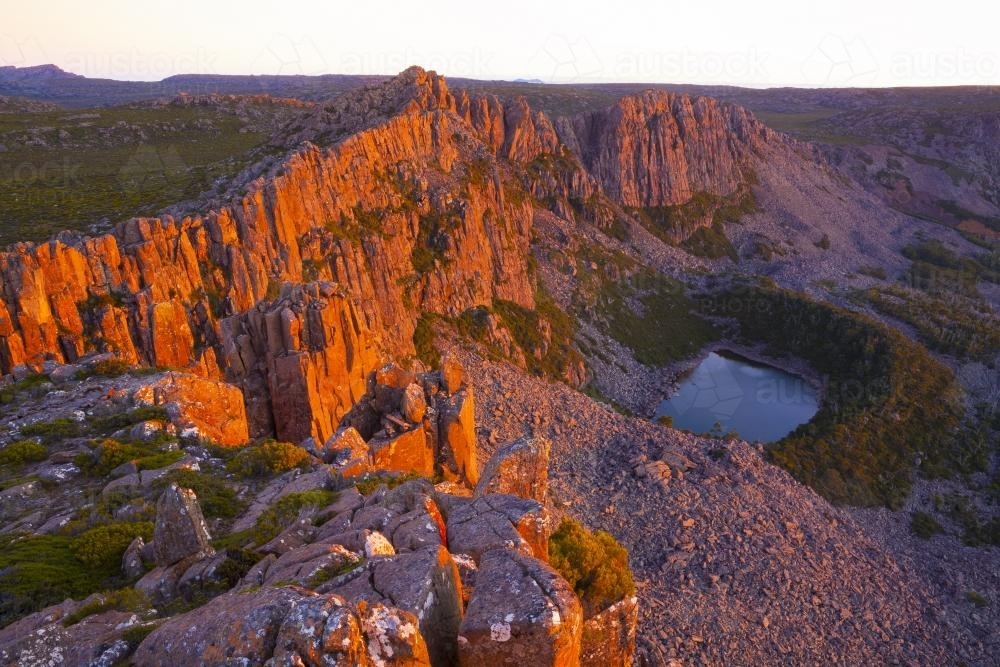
x=413, y=90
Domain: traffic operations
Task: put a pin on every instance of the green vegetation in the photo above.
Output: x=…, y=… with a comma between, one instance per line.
x=110, y=453
x=432, y=237
x=924, y=525
x=217, y=499
x=105, y=368
x=328, y=572
x=109, y=423
x=711, y=243
x=937, y=269
x=54, y=430
x=887, y=406
x=544, y=334
x=946, y=324
x=32, y=383
x=977, y=599
x=873, y=272
x=22, y=452
x=102, y=547
x=594, y=564
x=975, y=531
x=63, y=171
x=268, y=458
x=651, y=315
x=371, y=483
x=285, y=511
x=39, y=570
x=423, y=341
x=135, y=634
x=697, y=224
x=124, y=599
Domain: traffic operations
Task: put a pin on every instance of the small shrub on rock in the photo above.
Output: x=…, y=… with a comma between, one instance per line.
x=595, y=564
x=269, y=458
x=21, y=452
x=125, y=599
x=102, y=547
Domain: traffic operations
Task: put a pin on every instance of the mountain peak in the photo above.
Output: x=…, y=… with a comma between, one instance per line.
x=35, y=72
x=414, y=90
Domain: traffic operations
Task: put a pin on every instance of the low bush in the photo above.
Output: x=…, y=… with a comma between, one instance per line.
x=595, y=564
x=54, y=430
x=102, y=547
x=423, y=341
x=21, y=452
x=216, y=498
x=111, y=453
x=268, y=458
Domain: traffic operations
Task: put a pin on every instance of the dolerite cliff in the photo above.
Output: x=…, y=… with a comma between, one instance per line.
x=392, y=201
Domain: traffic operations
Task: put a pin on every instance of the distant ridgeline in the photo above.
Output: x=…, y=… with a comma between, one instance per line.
x=888, y=406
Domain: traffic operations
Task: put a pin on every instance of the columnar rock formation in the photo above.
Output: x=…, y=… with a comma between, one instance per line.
x=409, y=198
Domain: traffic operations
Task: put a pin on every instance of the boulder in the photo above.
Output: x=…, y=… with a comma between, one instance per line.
x=499, y=522
x=393, y=376
x=41, y=638
x=132, y=564
x=457, y=437
x=520, y=468
x=609, y=637
x=521, y=613
x=425, y=583
x=409, y=451
x=180, y=530
x=413, y=405
x=452, y=373
x=311, y=565
x=199, y=406
x=347, y=451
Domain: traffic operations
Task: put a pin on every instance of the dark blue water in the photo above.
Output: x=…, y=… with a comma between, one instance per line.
x=758, y=402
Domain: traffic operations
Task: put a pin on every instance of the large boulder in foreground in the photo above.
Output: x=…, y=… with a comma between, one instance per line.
x=521, y=613
x=286, y=626
x=180, y=531
x=520, y=468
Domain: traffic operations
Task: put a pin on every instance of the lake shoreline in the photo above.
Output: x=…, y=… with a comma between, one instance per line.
x=674, y=373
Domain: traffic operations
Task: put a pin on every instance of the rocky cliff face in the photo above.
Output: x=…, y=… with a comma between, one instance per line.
x=658, y=149
x=410, y=199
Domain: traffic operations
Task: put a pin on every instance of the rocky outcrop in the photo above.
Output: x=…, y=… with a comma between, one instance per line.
x=658, y=149
x=361, y=206
x=521, y=612
x=301, y=360
x=442, y=441
x=608, y=638
x=288, y=625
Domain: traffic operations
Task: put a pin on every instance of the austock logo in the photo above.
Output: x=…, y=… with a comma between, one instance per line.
x=566, y=60
x=841, y=62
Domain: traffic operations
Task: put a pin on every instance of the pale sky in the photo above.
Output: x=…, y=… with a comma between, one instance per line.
x=837, y=43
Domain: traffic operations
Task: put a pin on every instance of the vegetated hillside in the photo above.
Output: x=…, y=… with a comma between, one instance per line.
x=88, y=170
x=402, y=218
